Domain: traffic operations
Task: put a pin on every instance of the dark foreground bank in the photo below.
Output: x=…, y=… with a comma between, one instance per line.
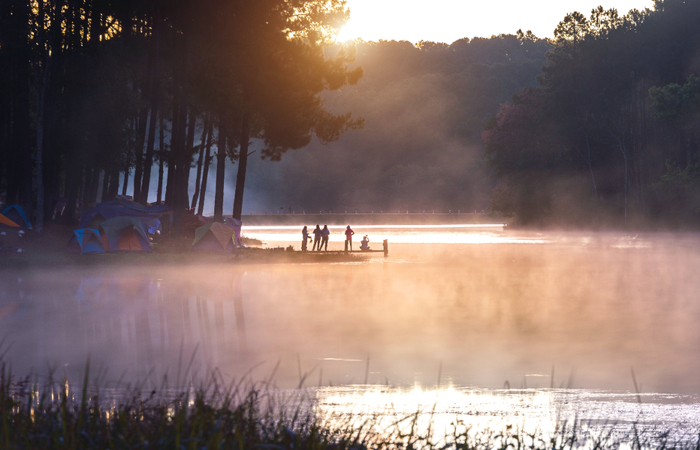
x=53, y=414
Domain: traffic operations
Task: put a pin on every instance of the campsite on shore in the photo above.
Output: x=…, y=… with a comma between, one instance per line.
x=124, y=232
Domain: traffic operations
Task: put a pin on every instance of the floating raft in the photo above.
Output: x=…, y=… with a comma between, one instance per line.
x=385, y=249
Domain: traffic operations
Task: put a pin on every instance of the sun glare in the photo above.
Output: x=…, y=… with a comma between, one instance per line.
x=450, y=20
x=439, y=409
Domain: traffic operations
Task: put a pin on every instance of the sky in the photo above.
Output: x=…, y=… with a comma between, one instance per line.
x=450, y=20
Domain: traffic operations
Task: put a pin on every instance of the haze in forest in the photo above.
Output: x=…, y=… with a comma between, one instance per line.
x=594, y=126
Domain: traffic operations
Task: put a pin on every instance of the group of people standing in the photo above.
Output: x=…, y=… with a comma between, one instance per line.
x=321, y=238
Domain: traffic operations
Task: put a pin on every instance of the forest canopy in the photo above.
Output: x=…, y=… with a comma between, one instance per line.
x=87, y=87
x=596, y=126
x=610, y=135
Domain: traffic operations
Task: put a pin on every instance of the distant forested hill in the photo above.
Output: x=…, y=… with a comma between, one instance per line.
x=612, y=133
x=424, y=108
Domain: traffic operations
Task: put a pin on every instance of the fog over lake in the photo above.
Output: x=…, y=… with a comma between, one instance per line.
x=471, y=309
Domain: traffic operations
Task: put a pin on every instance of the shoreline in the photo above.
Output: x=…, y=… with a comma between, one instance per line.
x=339, y=219
x=48, y=249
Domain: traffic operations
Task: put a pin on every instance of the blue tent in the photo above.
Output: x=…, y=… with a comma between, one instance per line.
x=145, y=209
x=93, y=217
x=16, y=214
x=86, y=240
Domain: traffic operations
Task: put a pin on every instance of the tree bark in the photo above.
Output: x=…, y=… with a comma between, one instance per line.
x=72, y=188
x=205, y=175
x=242, y=165
x=126, y=180
x=220, y=173
x=148, y=164
x=161, y=152
x=187, y=159
x=19, y=179
x=105, y=185
x=113, y=183
x=198, y=180
x=41, y=84
x=155, y=99
x=169, y=191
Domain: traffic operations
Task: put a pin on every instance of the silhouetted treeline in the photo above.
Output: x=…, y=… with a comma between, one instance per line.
x=92, y=89
x=420, y=149
x=611, y=135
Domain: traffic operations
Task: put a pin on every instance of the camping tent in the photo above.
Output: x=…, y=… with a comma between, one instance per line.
x=214, y=237
x=93, y=217
x=86, y=240
x=5, y=222
x=124, y=234
x=235, y=225
x=16, y=214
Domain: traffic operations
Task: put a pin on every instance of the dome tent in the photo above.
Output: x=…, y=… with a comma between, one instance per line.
x=86, y=240
x=93, y=217
x=124, y=234
x=213, y=237
x=16, y=214
x=5, y=222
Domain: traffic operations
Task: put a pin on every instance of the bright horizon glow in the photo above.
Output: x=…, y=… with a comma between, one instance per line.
x=398, y=234
x=450, y=20
x=454, y=225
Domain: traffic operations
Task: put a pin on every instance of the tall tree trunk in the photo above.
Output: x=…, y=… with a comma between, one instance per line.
x=91, y=192
x=72, y=188
x=161, y=152
x=178, y=149
x=205, y=175
x=187, y=157
x=41, y=84
x=19, y=179
x=205, y=132
x=155, y=99
x=105, y=186
x=170, y=176
x=173, y=153
x=126, y=180
x=220, y=173
x=85, y=188
x=146, y=98
x=51, y=167
x=146, y=186
x=127, y=169
x=138, y=153
x=242, y=165
x=113, y=183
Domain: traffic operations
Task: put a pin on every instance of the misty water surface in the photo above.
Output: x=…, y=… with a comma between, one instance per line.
x=519, y=310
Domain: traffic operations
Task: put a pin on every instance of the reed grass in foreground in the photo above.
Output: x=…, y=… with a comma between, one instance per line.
x=54, y=415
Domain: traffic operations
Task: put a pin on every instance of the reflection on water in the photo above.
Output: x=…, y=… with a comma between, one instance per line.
x=573, y=311
x=438, y=409
x=450, y=411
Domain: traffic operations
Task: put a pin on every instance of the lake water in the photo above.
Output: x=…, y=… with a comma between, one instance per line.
x=495, y=324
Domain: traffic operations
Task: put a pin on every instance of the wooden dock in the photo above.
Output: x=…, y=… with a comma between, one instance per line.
x=385, y=249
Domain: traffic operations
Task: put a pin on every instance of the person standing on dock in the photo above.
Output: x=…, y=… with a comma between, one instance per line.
x=348, y=237
x=317, y=238
x=325, y=233
x=304, y=237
